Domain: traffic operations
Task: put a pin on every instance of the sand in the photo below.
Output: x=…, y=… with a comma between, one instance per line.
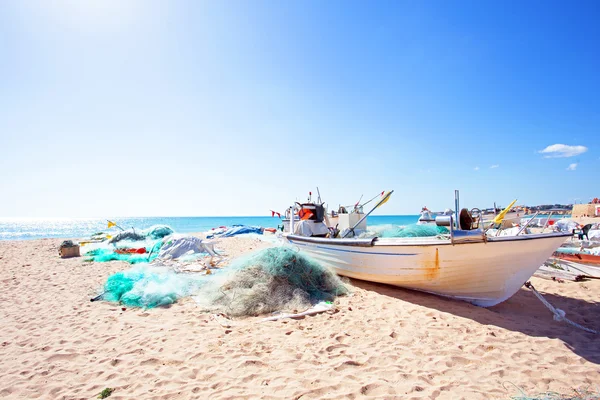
x=382, y=342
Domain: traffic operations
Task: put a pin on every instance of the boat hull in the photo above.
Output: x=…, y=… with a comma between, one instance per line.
x=484, y=273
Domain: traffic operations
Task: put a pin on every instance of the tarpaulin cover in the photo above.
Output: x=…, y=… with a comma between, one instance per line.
x=178, y=246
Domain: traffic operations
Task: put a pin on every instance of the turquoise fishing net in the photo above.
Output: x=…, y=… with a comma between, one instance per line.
x=157, y=231
x=413, y=230
x=149, y=287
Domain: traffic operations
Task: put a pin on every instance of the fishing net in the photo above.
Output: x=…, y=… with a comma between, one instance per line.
x=413, y=230
x=274, y=279
x=154, y=232
x=149, y=287
x=106, y=253
x=157, y=232
x=577, y=395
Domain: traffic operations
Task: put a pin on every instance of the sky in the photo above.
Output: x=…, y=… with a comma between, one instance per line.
x=204, y=108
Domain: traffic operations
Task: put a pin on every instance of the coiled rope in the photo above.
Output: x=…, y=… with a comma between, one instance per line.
x=559, y=315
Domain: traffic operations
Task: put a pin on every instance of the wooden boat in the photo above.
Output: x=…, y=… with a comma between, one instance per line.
x=465, y=265
x=483, y=271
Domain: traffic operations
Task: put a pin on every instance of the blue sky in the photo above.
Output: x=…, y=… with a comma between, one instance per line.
x=185, y=108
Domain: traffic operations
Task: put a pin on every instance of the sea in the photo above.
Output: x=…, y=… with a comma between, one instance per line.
x=42, y=228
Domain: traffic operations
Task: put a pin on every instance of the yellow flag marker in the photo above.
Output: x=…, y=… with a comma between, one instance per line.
x=500, y=216
x=111, y=224
x=385, y=199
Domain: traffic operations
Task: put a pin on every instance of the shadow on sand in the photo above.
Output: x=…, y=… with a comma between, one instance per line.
x=521, y=313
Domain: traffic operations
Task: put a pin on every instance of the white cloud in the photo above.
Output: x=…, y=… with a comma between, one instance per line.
x=572, y=167
x=562, y=150
x=494, y=166
x=476, y=168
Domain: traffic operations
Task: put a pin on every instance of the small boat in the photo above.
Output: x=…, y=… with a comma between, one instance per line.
x=466, y=264
x=578, y=257
x=426, y=217
x=312, y=218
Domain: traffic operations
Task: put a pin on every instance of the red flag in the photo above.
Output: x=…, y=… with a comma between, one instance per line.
x=275, y=212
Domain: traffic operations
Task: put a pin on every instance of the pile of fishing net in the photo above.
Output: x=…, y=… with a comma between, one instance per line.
x=274, y=279
x=149, y=287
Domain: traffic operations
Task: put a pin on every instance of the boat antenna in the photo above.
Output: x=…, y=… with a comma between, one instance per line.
x=381, y=202
x=358, y=202
x=367, y=202
x=319, y=193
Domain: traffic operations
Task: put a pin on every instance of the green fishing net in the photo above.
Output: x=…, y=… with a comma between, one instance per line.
x=274, y=279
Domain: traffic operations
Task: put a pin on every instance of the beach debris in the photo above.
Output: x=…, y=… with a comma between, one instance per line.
x=106, y=393
x=222, y=320
x=274, y=279
x=320, y=307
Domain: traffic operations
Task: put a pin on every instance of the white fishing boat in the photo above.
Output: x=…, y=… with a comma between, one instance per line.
x=465, y=264
x=313, y=219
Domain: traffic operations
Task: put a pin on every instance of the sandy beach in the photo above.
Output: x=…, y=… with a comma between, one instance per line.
x=379, y=342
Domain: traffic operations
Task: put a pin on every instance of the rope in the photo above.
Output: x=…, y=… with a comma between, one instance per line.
x=559, y=315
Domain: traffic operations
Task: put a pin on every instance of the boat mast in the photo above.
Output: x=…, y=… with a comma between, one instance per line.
x=456, y=204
